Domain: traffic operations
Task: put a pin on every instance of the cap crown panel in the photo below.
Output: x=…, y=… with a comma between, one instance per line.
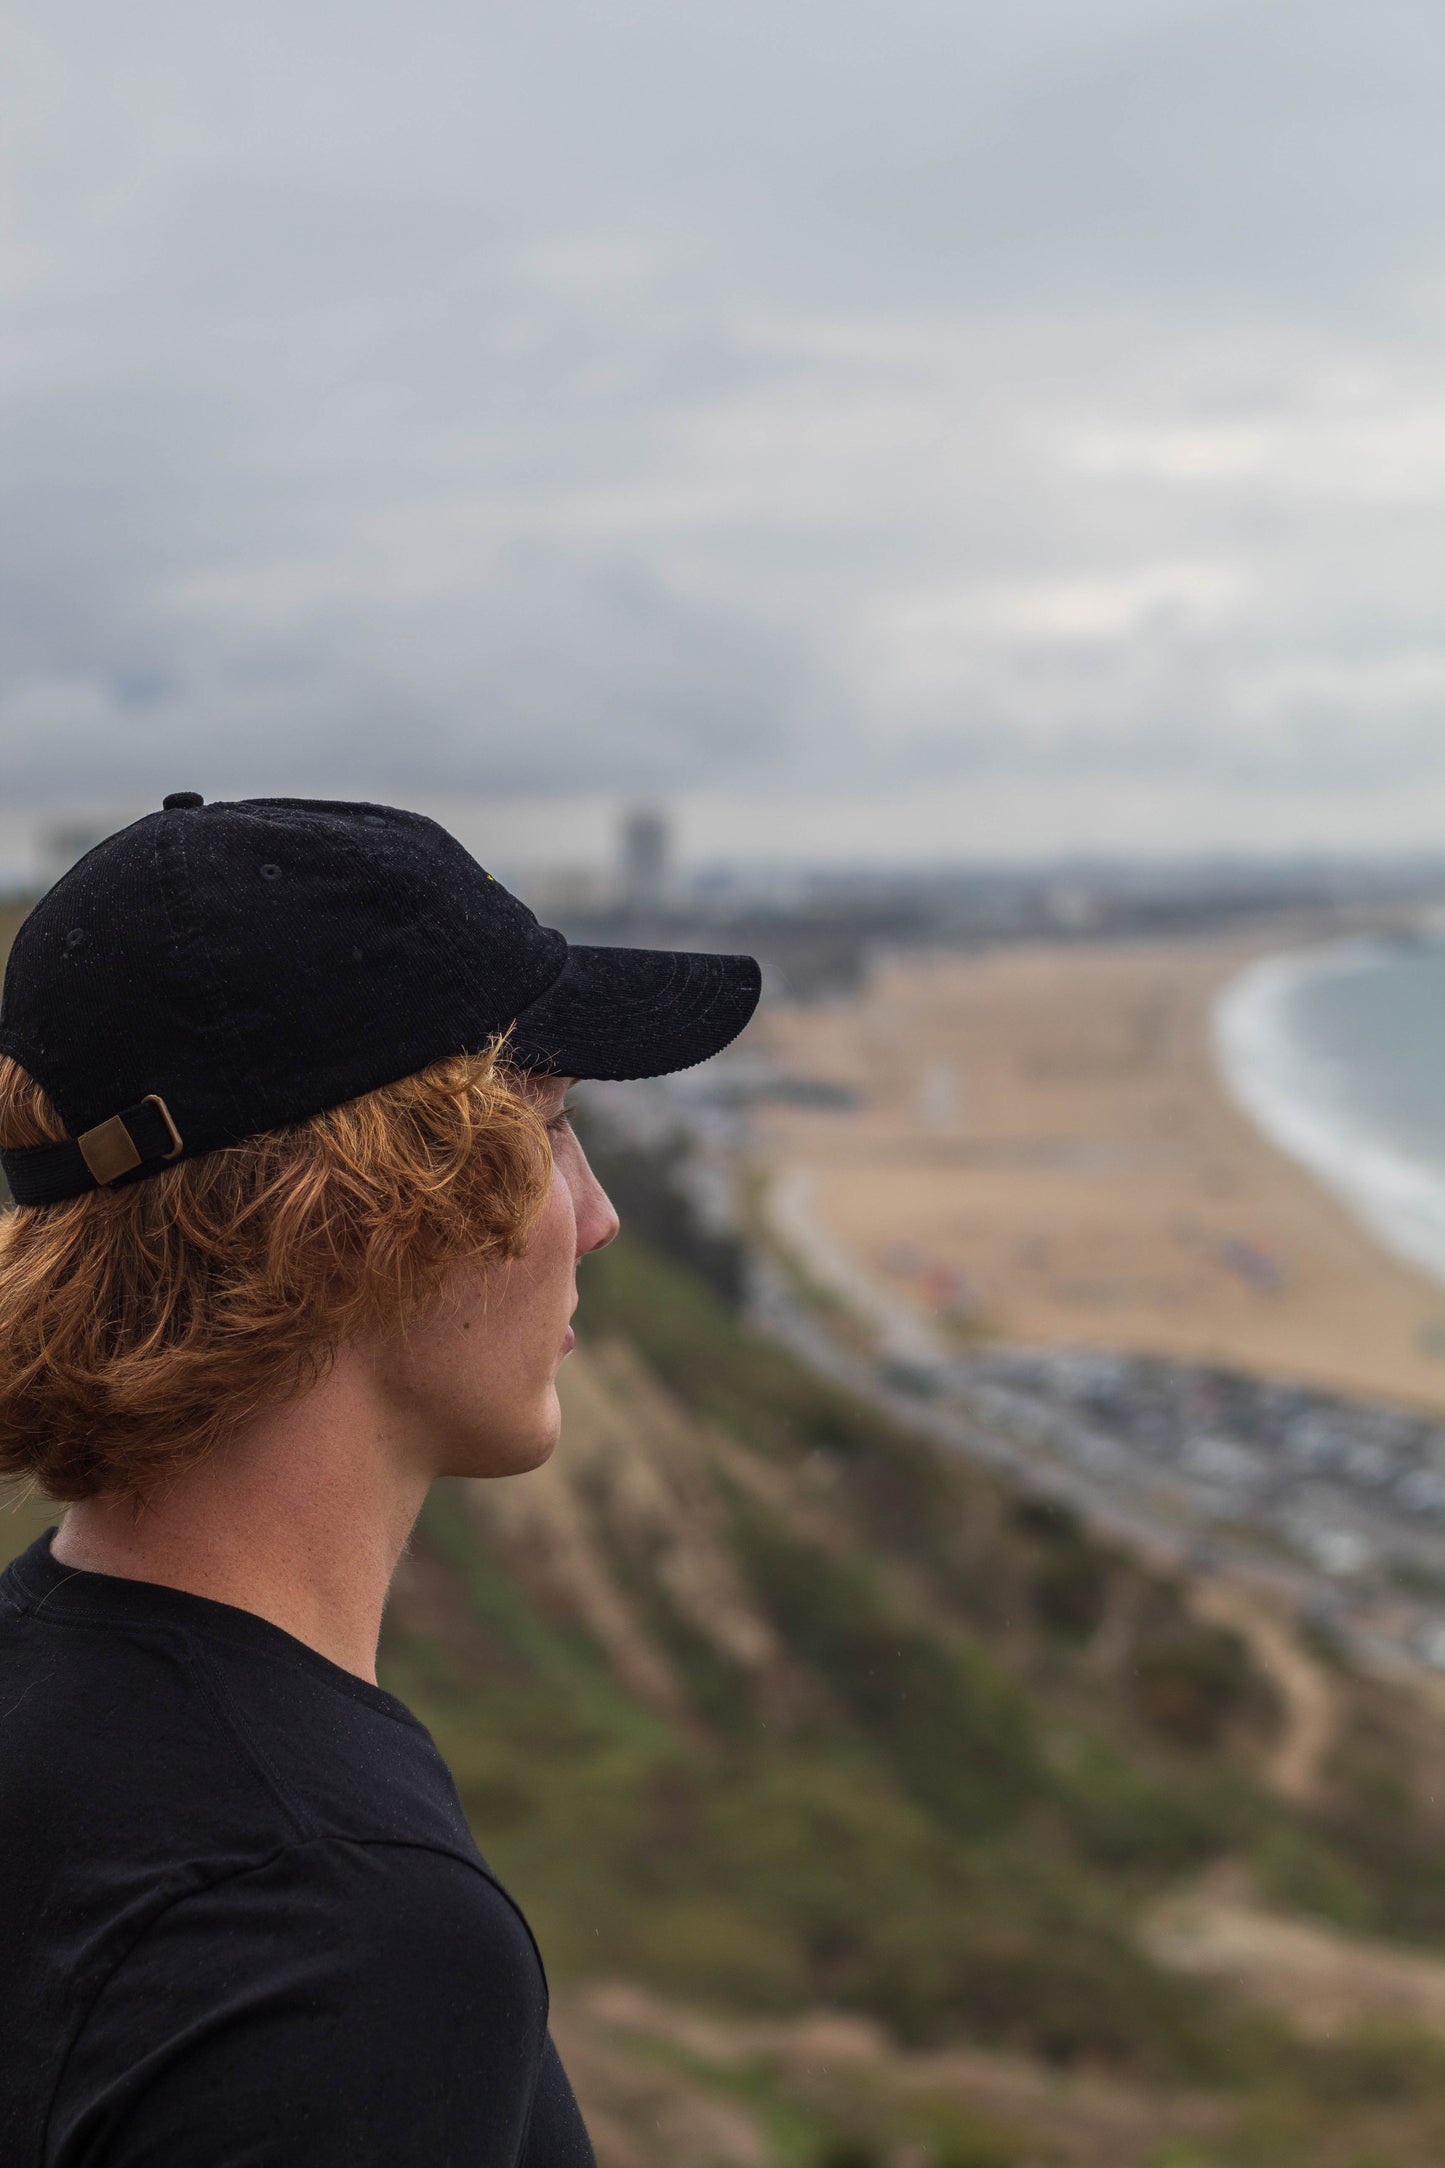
x=256, y=962
x=93, y=985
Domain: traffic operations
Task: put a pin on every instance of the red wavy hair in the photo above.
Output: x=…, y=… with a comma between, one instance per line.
x=139, y=1325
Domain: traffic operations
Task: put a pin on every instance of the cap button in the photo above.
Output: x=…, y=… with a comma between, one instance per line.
x=176, y=800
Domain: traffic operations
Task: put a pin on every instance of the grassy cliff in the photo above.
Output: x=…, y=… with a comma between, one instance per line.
x=854, y=1795
x=765, y=1708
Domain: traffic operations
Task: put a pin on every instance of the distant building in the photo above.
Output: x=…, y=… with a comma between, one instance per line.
x=557, y=893
x=646, y=861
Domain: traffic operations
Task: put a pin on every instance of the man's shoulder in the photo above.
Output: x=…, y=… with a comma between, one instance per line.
x=386, y=1997
x=203, y=1726
x=171, y=1781
x=346, y=1758
x=105, y=1723
x=353, y=1897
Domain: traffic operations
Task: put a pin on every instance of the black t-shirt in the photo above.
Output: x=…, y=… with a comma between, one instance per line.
x=242, y=1920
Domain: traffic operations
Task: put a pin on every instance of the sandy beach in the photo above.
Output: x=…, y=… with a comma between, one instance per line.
x=1044, y=1151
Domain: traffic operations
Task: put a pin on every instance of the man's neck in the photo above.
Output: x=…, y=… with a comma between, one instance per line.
x=300, y=1517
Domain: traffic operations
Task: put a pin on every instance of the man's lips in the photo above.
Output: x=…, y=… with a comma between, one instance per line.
x=569, y=1341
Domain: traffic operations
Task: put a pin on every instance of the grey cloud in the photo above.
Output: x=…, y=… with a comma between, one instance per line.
x=675, y=396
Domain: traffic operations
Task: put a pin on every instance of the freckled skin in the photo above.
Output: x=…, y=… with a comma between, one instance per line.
x=475, y=1383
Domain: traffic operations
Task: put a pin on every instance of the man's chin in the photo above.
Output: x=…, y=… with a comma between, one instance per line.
x=513, y=1455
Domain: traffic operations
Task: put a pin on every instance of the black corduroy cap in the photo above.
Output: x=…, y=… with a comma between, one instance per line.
x=214, y=971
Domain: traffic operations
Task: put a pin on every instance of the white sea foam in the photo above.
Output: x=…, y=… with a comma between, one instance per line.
x=1303, y=1101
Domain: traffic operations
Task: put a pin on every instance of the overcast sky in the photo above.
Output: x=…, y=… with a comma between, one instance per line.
x=880, y=426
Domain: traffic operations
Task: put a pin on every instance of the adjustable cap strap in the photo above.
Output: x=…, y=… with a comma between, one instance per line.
x=138, y=1140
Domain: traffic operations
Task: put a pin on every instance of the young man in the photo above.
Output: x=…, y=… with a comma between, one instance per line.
x=298, y=1212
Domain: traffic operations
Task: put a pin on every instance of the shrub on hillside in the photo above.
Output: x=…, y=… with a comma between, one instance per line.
x=1189, y=1685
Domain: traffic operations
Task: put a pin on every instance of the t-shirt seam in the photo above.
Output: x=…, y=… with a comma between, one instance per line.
x=258, y=1866
x=221, y=1700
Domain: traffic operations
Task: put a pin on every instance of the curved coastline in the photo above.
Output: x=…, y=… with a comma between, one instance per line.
x=1301, y=1100
x=1098, y=1182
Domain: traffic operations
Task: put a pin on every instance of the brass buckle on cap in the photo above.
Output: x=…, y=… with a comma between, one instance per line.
x=154, y=1099
x=109, y=1150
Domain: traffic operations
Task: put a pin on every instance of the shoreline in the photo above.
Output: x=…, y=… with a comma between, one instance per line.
x=1397, y=1196
x=1046, y=1150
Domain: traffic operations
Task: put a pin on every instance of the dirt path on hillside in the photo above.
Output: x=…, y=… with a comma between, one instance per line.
x=1322, y=1982
x=1308, y=1696
x=666, y=2086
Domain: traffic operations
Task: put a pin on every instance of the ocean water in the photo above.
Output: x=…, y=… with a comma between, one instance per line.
x=1339, y=1055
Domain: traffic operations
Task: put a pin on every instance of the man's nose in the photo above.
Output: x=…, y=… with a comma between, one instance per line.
x=597, y=1221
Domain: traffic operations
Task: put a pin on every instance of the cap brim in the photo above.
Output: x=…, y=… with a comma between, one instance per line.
x=620, y=1012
